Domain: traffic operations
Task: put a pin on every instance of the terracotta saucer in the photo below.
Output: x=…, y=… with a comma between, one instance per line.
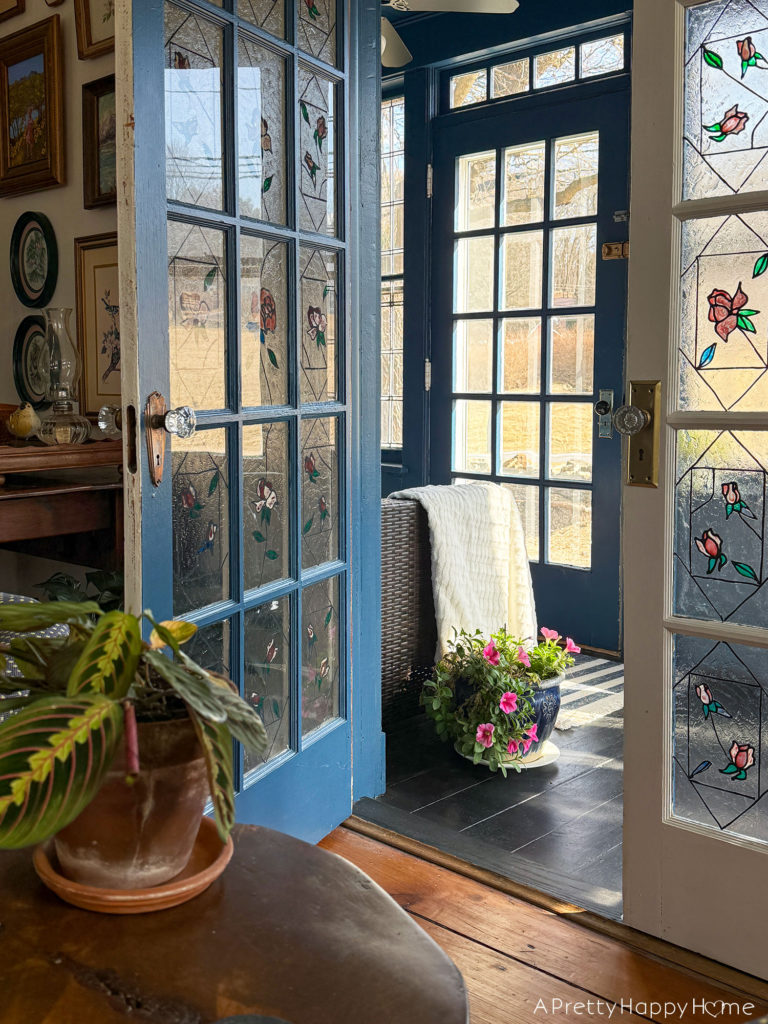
x=208, y=860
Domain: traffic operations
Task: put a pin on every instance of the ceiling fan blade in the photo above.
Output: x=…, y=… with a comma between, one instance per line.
x=394, y=52
x=464, y=6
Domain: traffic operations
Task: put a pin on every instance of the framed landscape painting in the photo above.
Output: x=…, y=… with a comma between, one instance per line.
x=99, y=143
x=95, y=23
x=31, y=94
x=98, y=321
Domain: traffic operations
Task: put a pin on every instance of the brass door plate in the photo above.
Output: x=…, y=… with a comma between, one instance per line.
x=154, y=414
x=643, y=453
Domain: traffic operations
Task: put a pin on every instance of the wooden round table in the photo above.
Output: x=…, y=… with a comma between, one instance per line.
x=289, y=931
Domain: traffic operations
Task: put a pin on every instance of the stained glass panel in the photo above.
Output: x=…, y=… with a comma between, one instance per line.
x=197, y=313
x=520, y=438
x=720, y=718
x=523, y=183
x=723, y=337
x=193, y=105
x=473, y=356
x=264, y=317
x=316, y=24
x=268, y=675
x=471, y=436
x=316, y=157
x=321, y=661
x=210, y=647
x=261, y=162
x=720, y=499
x=200, y=520
x=267, y=503
x=265, y=14
x=476, y=190
x=319, y=296
x=392, y=185
x=392, y=362
x=520, y=355
x=726, y=98
x=320, y=497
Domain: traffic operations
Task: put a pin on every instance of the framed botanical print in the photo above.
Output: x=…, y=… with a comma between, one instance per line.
x=98, y=321
x=8, y=8
x=99, y=143
x=95, y=23
x=31, y=96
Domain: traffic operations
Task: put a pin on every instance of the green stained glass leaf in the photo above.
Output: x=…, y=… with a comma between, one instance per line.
x=746, y=324
x=276, y=708
x=210, y=277
x=713, y=59
x=308, y=525
x=267, y=183
x=745, y=570
x=213, y=484
x=258, y=536
x=271, y=555
x=272, y=358
x=329, y=616
x=305, y=112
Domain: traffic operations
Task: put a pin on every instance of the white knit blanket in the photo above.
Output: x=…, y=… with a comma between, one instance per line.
x=481, y=578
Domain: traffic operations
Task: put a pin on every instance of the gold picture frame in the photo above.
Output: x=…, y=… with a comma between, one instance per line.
x=95, y=25
x=98, y=321
x=10, y=8
x=31, y=110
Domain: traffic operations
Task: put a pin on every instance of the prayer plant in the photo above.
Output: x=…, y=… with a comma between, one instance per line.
x=83, y=695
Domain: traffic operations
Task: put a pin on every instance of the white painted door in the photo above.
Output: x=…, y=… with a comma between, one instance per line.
x=696, y=600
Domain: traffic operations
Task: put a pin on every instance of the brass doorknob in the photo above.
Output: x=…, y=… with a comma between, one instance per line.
x=181, y=422
x=630, y=420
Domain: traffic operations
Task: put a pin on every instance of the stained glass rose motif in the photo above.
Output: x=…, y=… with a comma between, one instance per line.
x=727, y=312
x=266, y=495
x=312, y=8
x=321, y=132
x=711, y=545
x=266, y=138
x=732, y=122
x=742, y=757
x=318, y=324
x=311, y=166
x=748, y=53
x=710, y=706
x=734, y=502
x=267, y=311
x=271, y=651
x=310, y=469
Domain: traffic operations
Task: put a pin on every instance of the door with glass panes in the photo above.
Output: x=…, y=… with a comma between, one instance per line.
x=528, y=330
x=237, y=249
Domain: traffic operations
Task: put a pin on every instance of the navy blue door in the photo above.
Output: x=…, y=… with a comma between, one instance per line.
x=528, y=327
x=243, y=235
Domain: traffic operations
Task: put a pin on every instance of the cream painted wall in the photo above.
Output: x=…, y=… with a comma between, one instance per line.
x=63, y=205
x=64, y=208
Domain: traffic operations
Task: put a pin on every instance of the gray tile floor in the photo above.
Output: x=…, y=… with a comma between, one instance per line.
x=557, y=827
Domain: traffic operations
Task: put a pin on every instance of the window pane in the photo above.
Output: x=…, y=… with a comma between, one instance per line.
x=321, y=654
x=571, y=355
x=523, y=201
x=468, y=89
x=527, y=500
x=720, y=502
x=720, y=716
x=391, y=359
x=268, y=675
x=261, y=163
x=476, y=190
x=509, y=79
x=265, y=315
x=520, y=438
x=473, y=289
x=471, y=436
x=521, y=355
x=320, y=506
x=569, y=532
x=726, y=99
x=724, y=304
x=264, y=14
x=473, y=356
x=570, y=441
x=266, y=504
x=521, y=270
x=392, y=185
x=575, y=176
x=601, y=56
x=316, y=29
x=319, y=283
x=317, y=153
x=574, y=257
x=194, y=53
x=554, y=68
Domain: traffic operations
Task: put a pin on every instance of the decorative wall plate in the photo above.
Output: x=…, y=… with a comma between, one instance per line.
x=34, y=259
x=29, y=374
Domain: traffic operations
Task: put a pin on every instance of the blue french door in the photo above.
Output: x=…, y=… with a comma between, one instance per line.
x=240, y=276
x=528, y=328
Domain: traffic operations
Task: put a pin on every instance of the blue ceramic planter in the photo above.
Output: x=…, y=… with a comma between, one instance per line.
x=546, y=704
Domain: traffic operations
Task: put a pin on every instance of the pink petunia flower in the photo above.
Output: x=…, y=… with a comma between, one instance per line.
x=512, y=747
x=522, y=657
x=490, y=653
x=508, y=702
x=549, y=634
x=527, y=745
x=571, y=647
x=484, y=734
x=532, y=732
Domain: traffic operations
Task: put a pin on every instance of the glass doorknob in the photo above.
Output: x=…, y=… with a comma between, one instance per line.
x=182, y=421
x=110, y=420
x=630, y=420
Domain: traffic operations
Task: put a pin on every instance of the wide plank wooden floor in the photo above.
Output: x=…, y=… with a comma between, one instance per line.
x=519, y=960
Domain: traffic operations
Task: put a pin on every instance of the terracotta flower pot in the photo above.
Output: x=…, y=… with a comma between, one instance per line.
x=140, y=835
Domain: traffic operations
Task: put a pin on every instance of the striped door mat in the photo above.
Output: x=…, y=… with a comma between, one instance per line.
x=593, y=688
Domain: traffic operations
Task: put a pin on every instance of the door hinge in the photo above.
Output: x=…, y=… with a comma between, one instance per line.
x=427, y=374
x=616, y=250
x=430, y=178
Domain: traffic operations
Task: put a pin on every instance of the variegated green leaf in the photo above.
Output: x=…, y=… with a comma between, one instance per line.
x=241, y=719
x=110, y=658
x=217, y=748
x=30, y=618
x=193, y=690
x=171, y=630
x=54, y=756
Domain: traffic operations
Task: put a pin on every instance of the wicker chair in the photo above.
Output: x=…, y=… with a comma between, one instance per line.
x=408, y=628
